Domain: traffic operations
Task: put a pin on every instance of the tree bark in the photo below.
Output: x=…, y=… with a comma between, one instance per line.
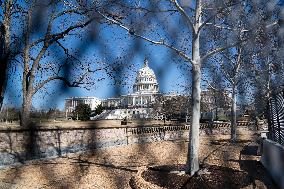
x=3, y=79
x=193, y=146
x=233, y=115
x=5, y=50
x=25, y=120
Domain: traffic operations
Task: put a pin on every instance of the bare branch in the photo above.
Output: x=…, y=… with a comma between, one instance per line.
x=161, y=42
x=42, y=84
x=217, y=50
x=35, y=66
x=184, y=14
x=214, y=15
x=67, y=52
x=226, y=27
x=214, y=88
x=238, y=66
x=69, y=11
x=61, y=35
x=146, y=9
x=51, y=38
x=227, y=75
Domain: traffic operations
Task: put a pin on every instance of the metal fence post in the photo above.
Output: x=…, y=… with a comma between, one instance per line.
x=278, y=121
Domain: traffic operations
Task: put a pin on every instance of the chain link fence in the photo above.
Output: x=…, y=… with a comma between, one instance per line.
x=276, y=118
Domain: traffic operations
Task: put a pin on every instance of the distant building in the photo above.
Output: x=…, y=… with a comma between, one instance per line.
x=144, y=102
x=139, y=103
x=72, y=102
x=145, y=92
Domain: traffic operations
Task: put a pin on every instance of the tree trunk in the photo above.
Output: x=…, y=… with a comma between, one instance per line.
x=233, y=115
x=26, y=111
x=216, y=106
x=4, y=50
x=193, y=148
x=3, y=78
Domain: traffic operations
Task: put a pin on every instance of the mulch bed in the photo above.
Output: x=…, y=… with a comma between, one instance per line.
x=212, y=177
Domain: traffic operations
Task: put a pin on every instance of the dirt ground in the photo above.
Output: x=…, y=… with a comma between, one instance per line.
x=113, y=167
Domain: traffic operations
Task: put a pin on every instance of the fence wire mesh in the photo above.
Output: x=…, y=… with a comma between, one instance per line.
x=276, y=118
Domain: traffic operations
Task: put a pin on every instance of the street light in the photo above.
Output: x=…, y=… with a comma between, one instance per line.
x=164, y=116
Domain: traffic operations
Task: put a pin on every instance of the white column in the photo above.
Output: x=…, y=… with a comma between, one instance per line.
x=141, y=100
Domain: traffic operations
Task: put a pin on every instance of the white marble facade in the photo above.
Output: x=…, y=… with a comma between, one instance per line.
x=145, y=91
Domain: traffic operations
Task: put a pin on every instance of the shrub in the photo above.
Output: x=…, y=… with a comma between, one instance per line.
x=82, y=112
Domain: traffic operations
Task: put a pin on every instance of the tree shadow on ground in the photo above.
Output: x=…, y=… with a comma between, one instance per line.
x=215, y=177
x=252, y=174
x=250, y=150
x=224, y=166
x=257, y=174
x=83, y=162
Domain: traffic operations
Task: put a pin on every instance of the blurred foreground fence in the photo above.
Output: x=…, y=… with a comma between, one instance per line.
x=276, y=118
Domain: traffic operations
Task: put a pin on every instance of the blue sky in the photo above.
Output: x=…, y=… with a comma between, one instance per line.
x=109, y=44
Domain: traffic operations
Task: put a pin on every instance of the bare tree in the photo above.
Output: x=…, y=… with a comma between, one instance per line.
x=195, y=16
x=172, y=106
x=152, y=21
x=231, y=66
x=5, y=45
x=266, y=62
x=45, y=53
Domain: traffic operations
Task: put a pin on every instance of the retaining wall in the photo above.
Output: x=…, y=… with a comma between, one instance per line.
x=19, y=145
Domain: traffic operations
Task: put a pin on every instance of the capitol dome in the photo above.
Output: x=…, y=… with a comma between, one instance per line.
x=146, y=81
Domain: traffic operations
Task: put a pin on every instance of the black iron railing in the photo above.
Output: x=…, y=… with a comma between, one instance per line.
x=276, y=118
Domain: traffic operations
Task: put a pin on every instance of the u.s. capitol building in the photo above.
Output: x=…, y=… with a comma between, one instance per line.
x=138, y=104
x=145, y=91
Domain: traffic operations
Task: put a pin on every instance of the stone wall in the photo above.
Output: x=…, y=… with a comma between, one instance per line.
x=19, y=145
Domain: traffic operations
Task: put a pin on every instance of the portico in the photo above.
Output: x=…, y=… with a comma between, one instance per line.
x=145, y=91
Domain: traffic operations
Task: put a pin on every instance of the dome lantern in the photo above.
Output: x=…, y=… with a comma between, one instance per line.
x=145, y=62
x=146, y=81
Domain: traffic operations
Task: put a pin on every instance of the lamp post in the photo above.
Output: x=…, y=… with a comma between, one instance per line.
x=164, y=114
x=7, y=115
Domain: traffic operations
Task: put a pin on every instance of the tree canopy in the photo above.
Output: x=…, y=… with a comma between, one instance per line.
x=82, y=112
